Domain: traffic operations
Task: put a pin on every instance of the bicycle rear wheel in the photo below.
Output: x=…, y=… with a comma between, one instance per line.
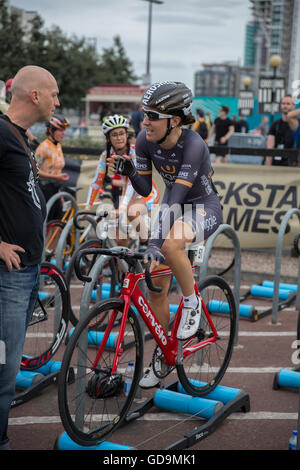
x=92, y=401
x=49, y=319
x=201, y=371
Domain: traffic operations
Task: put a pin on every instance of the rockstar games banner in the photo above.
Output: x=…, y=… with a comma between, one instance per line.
x=255, y=199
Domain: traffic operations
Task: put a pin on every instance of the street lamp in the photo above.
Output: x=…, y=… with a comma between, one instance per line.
x=275, y=62
x=147, y=78
x=246, y=82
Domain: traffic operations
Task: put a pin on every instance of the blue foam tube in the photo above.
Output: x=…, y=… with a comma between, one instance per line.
x=95, y=338
x=43, y=295
x=289, y=378
x=64, y=442
x=49, y=368
x=220, y=393
x=174, y=401
x=216, y=306
x=104, y=292
x=282, y=285
x=262, y=291
x=26, y=379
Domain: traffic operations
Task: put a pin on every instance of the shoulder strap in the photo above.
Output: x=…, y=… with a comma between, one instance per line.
x=18, y=135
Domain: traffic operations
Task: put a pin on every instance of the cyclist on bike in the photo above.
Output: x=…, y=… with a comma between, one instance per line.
x=132, y=205
x=190, y=210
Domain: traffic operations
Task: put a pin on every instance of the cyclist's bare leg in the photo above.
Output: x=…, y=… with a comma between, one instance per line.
x=136, y=211
x=176, y=257
x=159, y=301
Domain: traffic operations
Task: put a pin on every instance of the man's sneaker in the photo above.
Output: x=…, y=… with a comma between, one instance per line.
x=150, y=379
x=189, y=323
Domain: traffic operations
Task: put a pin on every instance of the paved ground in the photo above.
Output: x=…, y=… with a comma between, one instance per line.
x=262, y=350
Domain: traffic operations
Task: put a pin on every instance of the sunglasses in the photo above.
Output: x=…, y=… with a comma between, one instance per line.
x=155, y=116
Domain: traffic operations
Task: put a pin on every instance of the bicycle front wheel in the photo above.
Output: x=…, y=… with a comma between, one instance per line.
x=49, y=319
x=92, y=400
x=201, y=371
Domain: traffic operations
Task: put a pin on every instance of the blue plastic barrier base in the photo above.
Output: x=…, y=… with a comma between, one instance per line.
x=287, y=378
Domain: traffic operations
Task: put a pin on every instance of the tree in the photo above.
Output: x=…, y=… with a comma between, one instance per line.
x=73, y=61
x=12, y=47
x=115, y=65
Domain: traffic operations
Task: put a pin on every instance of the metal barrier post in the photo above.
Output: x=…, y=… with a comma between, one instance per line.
x=278, y=252
x=230, y=232
x=49, y=205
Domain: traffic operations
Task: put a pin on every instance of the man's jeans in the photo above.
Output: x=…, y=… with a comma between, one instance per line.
x=18, y=293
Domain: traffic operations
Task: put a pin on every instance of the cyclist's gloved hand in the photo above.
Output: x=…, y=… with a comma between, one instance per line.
x=153, y=253
x=124, y=166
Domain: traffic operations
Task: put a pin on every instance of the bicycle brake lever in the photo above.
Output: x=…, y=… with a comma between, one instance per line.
x=148, y=279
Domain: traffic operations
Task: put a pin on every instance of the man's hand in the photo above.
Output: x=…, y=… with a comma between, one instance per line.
x=62, y=177
x=8, y=253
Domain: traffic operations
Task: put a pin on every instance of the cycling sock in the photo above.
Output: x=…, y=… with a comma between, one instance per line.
x=190, y=301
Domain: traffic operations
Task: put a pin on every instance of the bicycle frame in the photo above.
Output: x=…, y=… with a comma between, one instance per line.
x=131, y=292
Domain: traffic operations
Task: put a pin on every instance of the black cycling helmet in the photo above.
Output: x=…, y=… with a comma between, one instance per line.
x=173, y=98
x=58, y=121
x=170, y=97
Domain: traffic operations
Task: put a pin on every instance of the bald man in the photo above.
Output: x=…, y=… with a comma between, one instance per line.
x=22, y=213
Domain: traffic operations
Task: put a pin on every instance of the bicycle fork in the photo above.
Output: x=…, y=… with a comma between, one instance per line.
x=119, y=349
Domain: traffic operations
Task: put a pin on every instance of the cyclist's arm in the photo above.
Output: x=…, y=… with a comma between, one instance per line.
x=292, y=119
x=97, y=182
x=141, y=179
x=127, y=196
x=270, y=145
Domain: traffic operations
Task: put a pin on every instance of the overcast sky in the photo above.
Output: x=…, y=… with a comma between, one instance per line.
x=185, y=33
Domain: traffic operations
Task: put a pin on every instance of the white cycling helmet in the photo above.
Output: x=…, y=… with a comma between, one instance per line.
x=113, y=122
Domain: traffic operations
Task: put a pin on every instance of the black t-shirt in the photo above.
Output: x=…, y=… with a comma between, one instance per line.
x=22, y=204
x=283, y=139
x=222, y=127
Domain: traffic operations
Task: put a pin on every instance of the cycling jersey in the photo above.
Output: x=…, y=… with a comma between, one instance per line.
x=50, y=158
x=128, y=192
x=187, y=174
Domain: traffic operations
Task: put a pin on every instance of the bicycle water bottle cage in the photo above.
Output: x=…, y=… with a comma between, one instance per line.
x=104, y=385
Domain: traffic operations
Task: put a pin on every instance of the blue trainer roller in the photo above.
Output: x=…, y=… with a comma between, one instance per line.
x=95, y=338
x=216, y=306
x=49, y=368
x=64, y=442
x=262, y=291
x=43, y=295
x=282, y=285
x=26, y=379
x=174, y=401
x=220, y=393
x=288, y=378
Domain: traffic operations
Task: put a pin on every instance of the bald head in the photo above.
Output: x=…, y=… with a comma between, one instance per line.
x=34, y=96
x=28, y=78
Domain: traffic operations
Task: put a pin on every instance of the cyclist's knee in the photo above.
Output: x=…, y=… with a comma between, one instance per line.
x=164, y=283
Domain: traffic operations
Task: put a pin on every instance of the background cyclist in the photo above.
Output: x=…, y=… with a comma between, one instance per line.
x=51, y=162
x=190, y=210
x=132, y=205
